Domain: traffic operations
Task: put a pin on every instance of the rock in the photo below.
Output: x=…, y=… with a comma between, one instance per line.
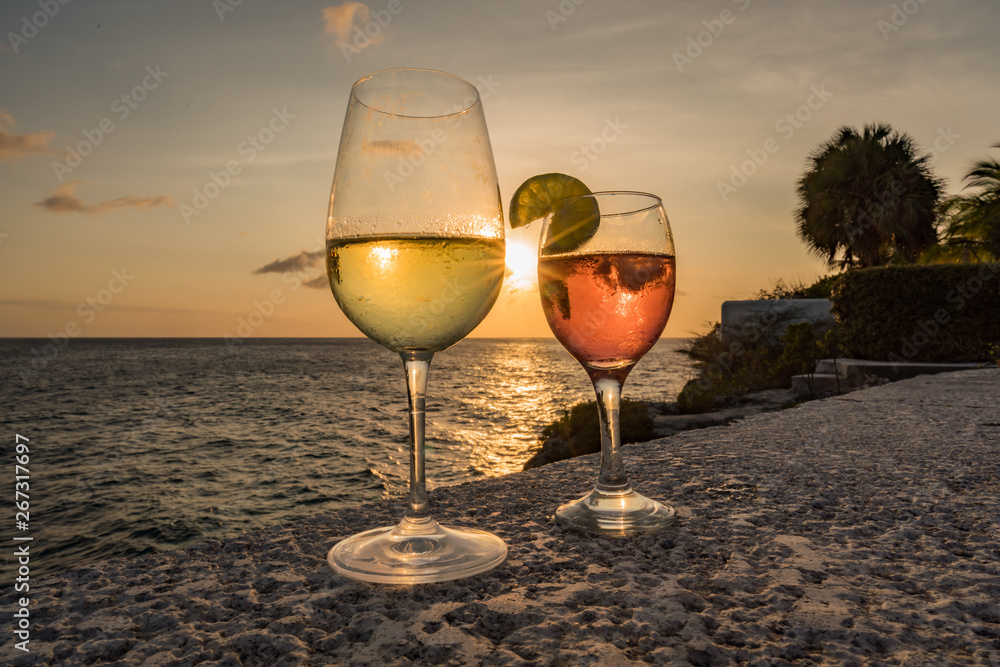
x=553, y=449
x=660, y=408
x=668, y=421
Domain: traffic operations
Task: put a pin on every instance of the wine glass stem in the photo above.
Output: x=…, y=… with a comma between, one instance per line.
x=612, y=477
x=417, y=365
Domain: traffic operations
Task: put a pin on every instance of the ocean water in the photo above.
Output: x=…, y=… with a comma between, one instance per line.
x=144, y=445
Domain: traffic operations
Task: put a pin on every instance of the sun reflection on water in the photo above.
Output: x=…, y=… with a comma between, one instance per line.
x=194, y=444
x=496, y=396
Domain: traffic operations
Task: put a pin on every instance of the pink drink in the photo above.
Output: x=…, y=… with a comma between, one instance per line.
x=607, y=309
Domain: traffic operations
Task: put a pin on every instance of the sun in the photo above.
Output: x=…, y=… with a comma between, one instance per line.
x=522, y=263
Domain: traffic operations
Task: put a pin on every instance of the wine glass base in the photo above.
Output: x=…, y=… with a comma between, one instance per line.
x=615, y=512
x=416, y=552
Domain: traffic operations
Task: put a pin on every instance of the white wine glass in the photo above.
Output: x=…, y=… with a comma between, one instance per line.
x=415, y=257
x=606, y=276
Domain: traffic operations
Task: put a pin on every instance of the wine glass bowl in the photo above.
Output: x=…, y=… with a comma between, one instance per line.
x=607, y=295
x=415, y=258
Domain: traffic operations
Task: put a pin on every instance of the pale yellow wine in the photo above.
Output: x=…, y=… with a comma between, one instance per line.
x=415, y=292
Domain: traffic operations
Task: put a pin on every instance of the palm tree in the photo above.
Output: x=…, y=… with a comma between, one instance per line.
x=868, y=198
x=971, y=223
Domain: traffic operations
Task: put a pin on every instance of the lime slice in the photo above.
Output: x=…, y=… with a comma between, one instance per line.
x=573, y=221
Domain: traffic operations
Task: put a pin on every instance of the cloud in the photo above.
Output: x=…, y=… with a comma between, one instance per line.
x=340, y=20
x=300, y=262
x=14, y=146
x=63, y=200
x=319, y=282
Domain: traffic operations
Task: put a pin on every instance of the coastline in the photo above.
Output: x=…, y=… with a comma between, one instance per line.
x=859, y=528
x=665, y=420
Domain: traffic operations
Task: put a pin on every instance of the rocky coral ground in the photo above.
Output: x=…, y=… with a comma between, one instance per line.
x=857, y=530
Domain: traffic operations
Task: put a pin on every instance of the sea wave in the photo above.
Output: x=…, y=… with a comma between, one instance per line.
x=141, y=445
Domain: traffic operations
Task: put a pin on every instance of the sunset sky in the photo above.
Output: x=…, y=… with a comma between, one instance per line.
x=135, y=238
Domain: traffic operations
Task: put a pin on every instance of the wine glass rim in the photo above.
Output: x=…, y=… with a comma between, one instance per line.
x=474, y=94
x=655, y=203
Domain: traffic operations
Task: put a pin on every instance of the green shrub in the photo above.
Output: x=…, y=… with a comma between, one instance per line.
x=922, y=313
x=821, y=289
x=747, y=363
x=579, y=426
